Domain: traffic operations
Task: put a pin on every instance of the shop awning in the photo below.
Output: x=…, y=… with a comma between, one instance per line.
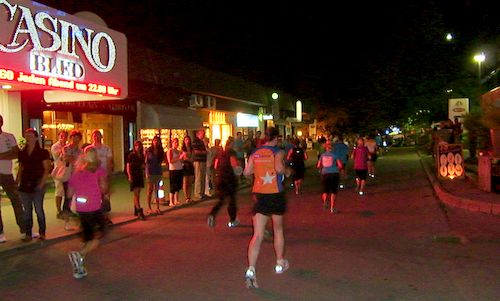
x=168, y=117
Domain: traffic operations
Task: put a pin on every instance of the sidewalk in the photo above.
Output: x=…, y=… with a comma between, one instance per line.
x=122, y=208
x=461, y=193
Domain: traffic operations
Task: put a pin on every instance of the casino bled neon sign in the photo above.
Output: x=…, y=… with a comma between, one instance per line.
x=63, y=70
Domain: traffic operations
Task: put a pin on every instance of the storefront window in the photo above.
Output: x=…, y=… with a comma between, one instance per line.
x=147, y=135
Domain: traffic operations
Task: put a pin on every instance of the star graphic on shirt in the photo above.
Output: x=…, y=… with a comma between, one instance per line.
x=268, y=179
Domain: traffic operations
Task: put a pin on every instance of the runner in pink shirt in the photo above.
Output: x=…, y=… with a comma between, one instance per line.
x=360, y=156
x=87, y=185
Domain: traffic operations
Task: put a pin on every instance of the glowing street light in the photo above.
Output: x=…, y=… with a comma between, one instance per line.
x=479, y=58
x=449, y=37
x=275, y=96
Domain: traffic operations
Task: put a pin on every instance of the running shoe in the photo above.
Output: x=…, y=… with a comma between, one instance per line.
x=361, y=193
x=76, y=260
x=341, y=186
x=281, y=267
x=233, y=224
x=211, y=221
x=251, y=278
x=80, y=274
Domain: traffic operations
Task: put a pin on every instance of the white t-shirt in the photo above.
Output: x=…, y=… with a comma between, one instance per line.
x=56, y=150
x=7, y=142
x=104, y=154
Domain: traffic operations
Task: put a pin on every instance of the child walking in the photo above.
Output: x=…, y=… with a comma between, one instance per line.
x=86, y=186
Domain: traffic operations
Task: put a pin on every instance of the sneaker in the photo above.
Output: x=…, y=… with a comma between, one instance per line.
x=60, y=215
x=26, y=238
x=3, y=238
x=251, y=278
x=211, y=221
x=333, y=210
x=69, y=228
x=76, y=260
x=361, y=193
x=341, y=186
x=80, y=274
x=280, y=268
x=41, y=237
x=233, y=224
x=35, y=235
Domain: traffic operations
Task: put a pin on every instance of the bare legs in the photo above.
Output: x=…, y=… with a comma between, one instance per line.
x=173, y=198
x=259, y=226
x=137, y=195
x=371, y=168
x=153, y=187
x=298, y=186
x=360, y=185
x=324, y=197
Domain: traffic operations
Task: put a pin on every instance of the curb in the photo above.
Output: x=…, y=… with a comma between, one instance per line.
x=456, y=201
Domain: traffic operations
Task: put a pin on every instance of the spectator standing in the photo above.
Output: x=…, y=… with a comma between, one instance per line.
x=154, y=156
x=250, y=144
x=87, y=185
x=360, y=157
x=9, y=151
x=187, y=168
x=34, y=165
x=297, y=157
x=342, y=151
x=212, y=153
x=200, y=164
x=267, y=165
x=71, y=153
x=105, y=157
x=135, y=173
x=226, y=168
x=56, y=152
x=259, y=141
x=175, y=172
x=329, y=163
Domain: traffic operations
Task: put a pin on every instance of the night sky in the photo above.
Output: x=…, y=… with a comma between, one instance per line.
x=344, y=53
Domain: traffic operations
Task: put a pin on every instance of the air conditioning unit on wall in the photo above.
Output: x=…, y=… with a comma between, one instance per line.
x=210, y=102
x=196, y=101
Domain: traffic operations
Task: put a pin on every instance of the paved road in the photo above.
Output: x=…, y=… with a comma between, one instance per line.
x=394, y=243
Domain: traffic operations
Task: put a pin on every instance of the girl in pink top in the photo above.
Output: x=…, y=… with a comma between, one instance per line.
x=86, y=186
x=360, y=156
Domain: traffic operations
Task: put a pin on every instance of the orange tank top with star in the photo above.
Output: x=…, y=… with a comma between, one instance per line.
x=266, y=179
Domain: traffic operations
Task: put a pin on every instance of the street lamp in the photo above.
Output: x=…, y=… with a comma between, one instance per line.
x=479, y=58
x=275, y=95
